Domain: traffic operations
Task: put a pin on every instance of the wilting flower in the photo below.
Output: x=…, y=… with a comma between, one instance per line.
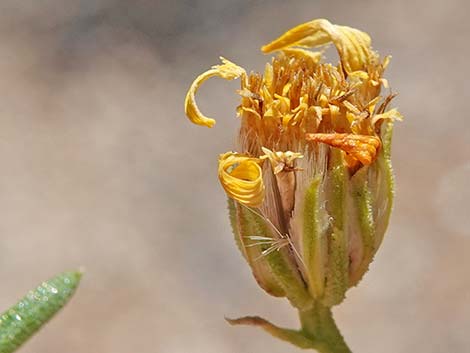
x=311, y=186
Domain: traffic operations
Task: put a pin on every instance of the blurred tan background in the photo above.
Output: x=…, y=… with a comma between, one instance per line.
x=101, y=169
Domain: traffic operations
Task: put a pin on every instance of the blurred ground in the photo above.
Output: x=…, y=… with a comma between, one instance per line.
x=101, y=169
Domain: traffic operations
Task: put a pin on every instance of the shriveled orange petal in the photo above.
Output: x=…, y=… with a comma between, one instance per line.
x=361, y=147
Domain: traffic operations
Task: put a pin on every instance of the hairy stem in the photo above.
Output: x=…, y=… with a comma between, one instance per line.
x=319, y=326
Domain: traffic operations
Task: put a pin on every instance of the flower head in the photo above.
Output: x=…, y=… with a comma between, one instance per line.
x=310, y=188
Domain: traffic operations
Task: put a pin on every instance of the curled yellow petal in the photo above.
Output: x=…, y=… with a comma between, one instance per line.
x=362, y=148
x=353, y=46
x=228, y=71
x=242, y=178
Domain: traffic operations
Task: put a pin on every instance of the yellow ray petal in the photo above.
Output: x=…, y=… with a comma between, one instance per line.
x=242, y=178
x=353, y=45
x=361, y=147
x=313, y=57
x=228, y=71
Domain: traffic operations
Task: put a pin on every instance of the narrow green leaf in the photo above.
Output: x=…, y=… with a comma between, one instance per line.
x=295, y=337
x=21, y=321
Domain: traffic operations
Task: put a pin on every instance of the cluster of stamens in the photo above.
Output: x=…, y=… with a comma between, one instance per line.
x=298, y=96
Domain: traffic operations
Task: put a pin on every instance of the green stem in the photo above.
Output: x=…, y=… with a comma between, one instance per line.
x=319, y=326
